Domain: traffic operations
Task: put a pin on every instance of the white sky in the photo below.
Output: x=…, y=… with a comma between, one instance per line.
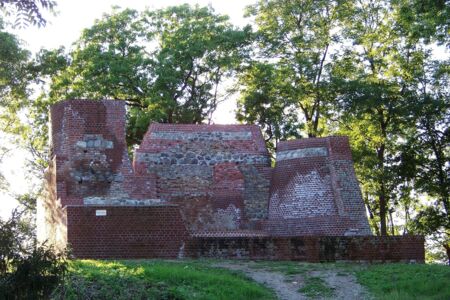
x=64, y=29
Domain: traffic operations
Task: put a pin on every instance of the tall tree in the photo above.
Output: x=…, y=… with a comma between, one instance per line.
x=167, y=64
x=427, y=19
x=295, y=38
x=264, y=100
x=14, y=80
x=378, y=77
x=430, y=146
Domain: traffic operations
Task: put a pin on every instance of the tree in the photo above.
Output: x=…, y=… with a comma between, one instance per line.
x=430, y=146
x=378, y=81
x=27, y=11
x=263, y=101
x=13, y=71
x=295, y=39
x=168, y=65
x=427, y=19
x=14, y=80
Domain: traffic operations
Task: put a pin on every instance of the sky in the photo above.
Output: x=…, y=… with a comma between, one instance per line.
x=63, y=29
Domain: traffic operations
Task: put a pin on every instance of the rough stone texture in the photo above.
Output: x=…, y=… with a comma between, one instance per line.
x=311, y=248
x=202, y=190
x=226, y=168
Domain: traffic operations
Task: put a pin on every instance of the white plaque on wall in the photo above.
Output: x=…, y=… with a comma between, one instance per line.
x=100, y=212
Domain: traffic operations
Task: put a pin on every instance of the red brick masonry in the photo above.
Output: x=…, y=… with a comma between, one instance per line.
x=158, y=231
x=203, y=191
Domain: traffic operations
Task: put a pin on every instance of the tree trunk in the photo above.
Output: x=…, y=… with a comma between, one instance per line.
x=382, y=192
x=382, y=199
x=447, y=249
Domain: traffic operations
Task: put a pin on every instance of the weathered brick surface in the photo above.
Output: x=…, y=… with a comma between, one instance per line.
x=226, y=168
x=311, y=248
x=315, y=191
x=202, y=191
x=90, y=153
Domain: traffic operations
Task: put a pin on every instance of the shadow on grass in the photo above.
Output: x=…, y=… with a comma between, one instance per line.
x=154, y=279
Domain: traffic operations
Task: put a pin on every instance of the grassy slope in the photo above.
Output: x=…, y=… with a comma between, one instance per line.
x=152, y=279
x=194, y=279
x=402, y=281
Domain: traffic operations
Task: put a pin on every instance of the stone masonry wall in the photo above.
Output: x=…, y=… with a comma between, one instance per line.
x=202, y=191
x=218, y=174
x=311, y=248
x=90, y=153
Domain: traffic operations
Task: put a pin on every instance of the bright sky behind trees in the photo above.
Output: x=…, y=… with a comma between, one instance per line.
x=65, y=28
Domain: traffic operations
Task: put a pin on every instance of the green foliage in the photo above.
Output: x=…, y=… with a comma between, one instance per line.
x=168, y=64
x=263, y=101
x=27, y=12
x=153, y=279
x=315, y=287
x=27, y=271
x=427, y=19
x=293, y=38
x=402, y=281
x=13, y=75
x=378, y=83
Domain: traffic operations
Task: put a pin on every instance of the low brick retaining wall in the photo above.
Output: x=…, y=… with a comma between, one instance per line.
x=159, y=232
x=312, y=248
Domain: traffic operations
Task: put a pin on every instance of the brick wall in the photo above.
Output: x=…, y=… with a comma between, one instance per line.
x=202, y=191
x=126, y=231
x=218, y=174
x=90, y=153
x=314, y=190
x=312, y=248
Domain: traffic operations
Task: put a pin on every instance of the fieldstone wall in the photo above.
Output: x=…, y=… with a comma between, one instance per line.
x=218, y=174
x=311, y=248
x=202, y=191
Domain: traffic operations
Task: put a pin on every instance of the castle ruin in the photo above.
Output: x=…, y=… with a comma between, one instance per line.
x=202, y=191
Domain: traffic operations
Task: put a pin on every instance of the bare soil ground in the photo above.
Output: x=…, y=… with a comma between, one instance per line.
x=340, y=284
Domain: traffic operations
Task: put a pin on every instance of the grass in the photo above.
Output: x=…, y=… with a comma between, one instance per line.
x=383, y=281
x=153, y=279
x=403, y=281
x=196, y=279
x=315, y=287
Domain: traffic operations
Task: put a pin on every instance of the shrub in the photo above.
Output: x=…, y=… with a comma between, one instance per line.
x=27, y=271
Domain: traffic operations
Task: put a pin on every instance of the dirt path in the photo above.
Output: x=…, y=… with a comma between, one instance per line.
x=345, y=285
x=287, y=287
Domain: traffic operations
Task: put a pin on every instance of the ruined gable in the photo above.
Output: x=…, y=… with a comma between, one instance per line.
x=197, y=190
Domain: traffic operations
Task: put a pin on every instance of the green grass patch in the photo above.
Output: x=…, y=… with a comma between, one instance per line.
x=293, y=268
x=316, y=287
x=155, y=279
x=403, y=281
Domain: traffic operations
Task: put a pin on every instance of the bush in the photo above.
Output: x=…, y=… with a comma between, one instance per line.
x=27, y=271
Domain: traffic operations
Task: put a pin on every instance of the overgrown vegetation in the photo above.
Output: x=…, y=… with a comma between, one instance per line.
x=153, y=279
x=27, y=270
